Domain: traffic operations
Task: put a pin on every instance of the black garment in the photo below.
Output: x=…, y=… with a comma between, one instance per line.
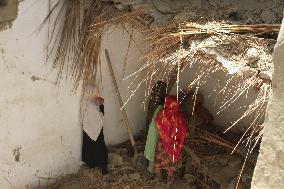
x=94, y=153
x=157, y=97
x=102, y=109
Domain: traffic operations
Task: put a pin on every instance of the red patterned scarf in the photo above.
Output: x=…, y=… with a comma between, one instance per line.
x=172, y=127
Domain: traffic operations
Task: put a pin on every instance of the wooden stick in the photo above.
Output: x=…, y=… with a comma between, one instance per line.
x=190, y=29
x=121, y=105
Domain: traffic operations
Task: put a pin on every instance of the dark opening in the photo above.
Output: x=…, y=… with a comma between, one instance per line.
x=3, y=2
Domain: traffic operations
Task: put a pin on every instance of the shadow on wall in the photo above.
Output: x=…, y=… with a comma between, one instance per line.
x=8, y=13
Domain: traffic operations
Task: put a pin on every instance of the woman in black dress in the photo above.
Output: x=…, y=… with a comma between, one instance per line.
x=94, y=152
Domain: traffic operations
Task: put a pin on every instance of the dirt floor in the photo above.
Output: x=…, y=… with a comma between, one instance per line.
x=209, y=164
x=124, y=177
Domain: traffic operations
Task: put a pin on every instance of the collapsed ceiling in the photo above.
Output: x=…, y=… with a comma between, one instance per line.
x=250, y=59
x=224, y=33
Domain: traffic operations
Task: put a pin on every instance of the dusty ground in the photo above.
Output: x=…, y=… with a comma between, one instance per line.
x=124, y=177
x=209, y=165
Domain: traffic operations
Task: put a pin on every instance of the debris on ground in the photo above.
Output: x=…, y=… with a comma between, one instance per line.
x=209, y=165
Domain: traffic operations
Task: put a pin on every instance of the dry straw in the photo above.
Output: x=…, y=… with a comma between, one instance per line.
x=75, y=52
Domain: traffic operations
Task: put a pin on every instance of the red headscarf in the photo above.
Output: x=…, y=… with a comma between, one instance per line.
x=172, y=128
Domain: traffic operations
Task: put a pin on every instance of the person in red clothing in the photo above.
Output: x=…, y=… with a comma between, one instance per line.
x=172, y=130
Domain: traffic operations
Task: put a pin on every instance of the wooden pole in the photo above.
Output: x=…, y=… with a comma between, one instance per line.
x=121, y=105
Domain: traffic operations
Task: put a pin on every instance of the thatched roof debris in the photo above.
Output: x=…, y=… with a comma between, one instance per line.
x=79, y=39
x=138, y=14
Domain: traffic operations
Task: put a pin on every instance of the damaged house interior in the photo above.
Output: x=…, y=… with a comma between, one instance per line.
x=141, y=94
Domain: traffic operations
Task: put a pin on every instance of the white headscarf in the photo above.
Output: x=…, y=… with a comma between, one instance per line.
x=91, y=117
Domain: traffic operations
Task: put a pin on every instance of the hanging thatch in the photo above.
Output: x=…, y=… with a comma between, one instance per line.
x=79, y=39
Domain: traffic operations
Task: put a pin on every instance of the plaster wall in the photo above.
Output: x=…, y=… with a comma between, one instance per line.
x=116, y=42
x=40, y=134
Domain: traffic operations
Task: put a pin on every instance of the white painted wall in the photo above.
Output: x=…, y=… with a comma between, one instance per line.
x=116, y=42
x=35, y=115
